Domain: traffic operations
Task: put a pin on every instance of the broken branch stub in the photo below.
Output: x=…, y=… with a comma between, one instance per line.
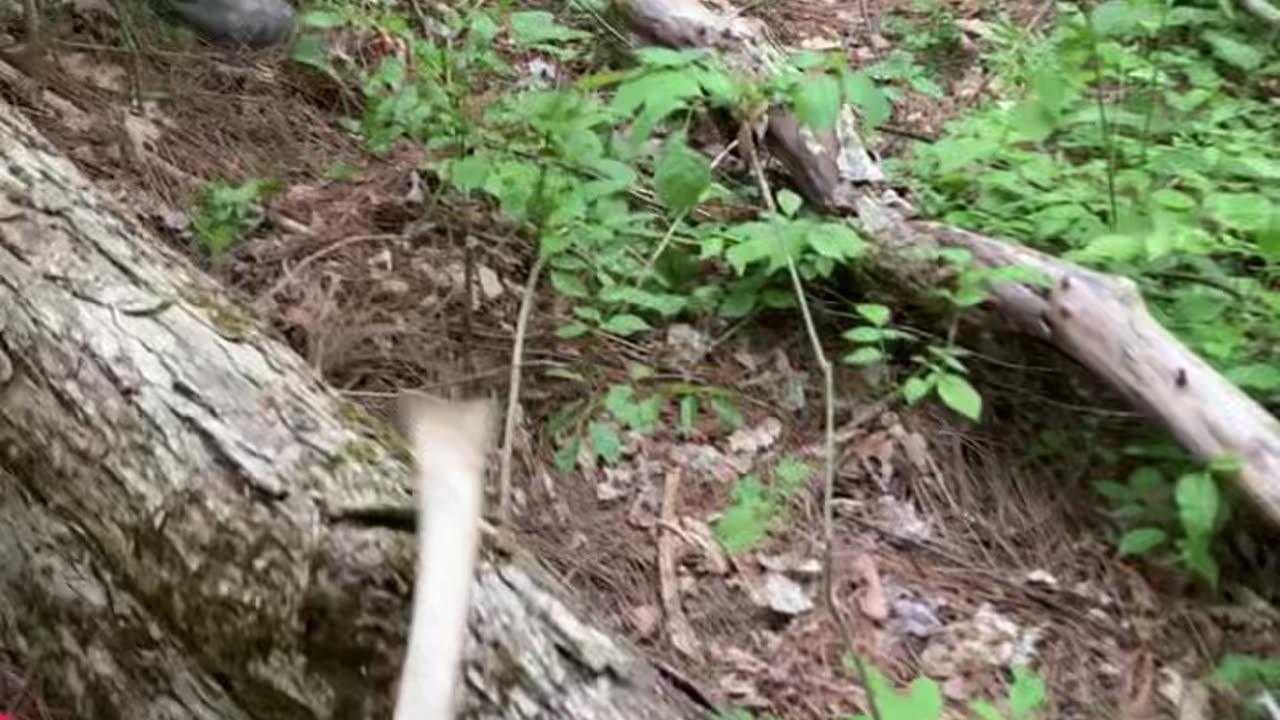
x=1099, y=320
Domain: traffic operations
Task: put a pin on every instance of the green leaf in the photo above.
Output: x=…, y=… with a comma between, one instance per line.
x=311, y=50
x=664, y=57
x=1173, y=199
x=536, y=26
x=1225, y=464
x=788, y=202
x=625, y=324
x=985, y=710
x=639, y=415
x=1269, y=241
x=469, y=173
x=1033, y=120
x=682, y=176
x=658, y=93
x=955, y=153
x=757, y=247
x=1115, y=18
x=1246, y=672
x=1141, y=541
x=588, y=313
x=1028, y=693
x=1198, y=503
x=1198, y=556
x=322, y=19
x=864, y=334
x=605, y=441
x=837, y=241
x=573, y=330
x=922, y=701
x=959, y=395
x=807, y=60
x=792, y=475
x=688, y=413
x=864, y=356
x=727, y=411
x=1146, y=480
x=569, y=284
x=342, y=171
x=1113, y=490
x=1234, y=52
x=566, y=456
x=745, y=523
x=875, y=314
x=870, y=100
x=1240, y=211
x=1113, y=248
x=817, y=101
x=667, y=304
x=916, y=388
x=482, y=29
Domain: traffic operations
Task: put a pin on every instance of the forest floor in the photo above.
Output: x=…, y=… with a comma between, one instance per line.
x=960, y=548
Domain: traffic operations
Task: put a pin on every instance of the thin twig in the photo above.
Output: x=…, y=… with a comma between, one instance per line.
x=829, y=444
x=513, y=394
x=468, y=358
x=452, y=382
x=291, y=273
x=678, y=628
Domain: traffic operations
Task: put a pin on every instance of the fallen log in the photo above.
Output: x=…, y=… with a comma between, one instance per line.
x=1098, y=319
x=171, y=483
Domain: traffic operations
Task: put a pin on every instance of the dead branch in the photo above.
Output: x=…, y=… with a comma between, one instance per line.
x=1100, y=320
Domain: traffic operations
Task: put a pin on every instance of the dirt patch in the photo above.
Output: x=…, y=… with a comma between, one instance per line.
x=956, y=550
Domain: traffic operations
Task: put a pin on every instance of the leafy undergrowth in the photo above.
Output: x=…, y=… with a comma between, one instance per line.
x=1146, y=145
x=440, y=157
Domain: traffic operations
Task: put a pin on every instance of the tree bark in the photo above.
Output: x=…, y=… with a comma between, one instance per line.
x=1098, y=319
x=170, y=486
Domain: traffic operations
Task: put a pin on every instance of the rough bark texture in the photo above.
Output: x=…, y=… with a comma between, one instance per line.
x=168, y=482
x=1098, y=319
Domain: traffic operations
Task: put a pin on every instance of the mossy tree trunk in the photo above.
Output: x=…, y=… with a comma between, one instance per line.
x=169, y=483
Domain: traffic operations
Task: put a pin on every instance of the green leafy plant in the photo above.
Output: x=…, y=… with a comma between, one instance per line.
x=1105, y=161
x=1247, y=674
x=939, y=370
x=931, y=30
x=225, y=213
x=923, y=700
x=1140, y=141
x=596, y=422
x=1027, y=694
x=755, y=509
x=1185, y=513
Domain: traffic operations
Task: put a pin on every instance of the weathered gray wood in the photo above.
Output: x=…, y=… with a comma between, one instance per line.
x=168, y=479
x=1100, y=320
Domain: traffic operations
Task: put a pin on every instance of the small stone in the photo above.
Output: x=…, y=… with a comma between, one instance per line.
x=394, y=287
x=785, y=596
x=246, y=23
x=490, y=284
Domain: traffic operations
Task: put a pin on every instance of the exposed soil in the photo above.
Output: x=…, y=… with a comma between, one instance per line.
x=958, y=548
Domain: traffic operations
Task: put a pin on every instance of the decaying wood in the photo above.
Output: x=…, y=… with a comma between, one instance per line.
x=168, y=482
x=1100, y=320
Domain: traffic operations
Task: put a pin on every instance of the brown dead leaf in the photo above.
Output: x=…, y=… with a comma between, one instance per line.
x=645, y=620
x=752, y=440
x=871, y=601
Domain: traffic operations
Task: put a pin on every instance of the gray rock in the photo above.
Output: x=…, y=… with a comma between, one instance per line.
x=245, y=23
